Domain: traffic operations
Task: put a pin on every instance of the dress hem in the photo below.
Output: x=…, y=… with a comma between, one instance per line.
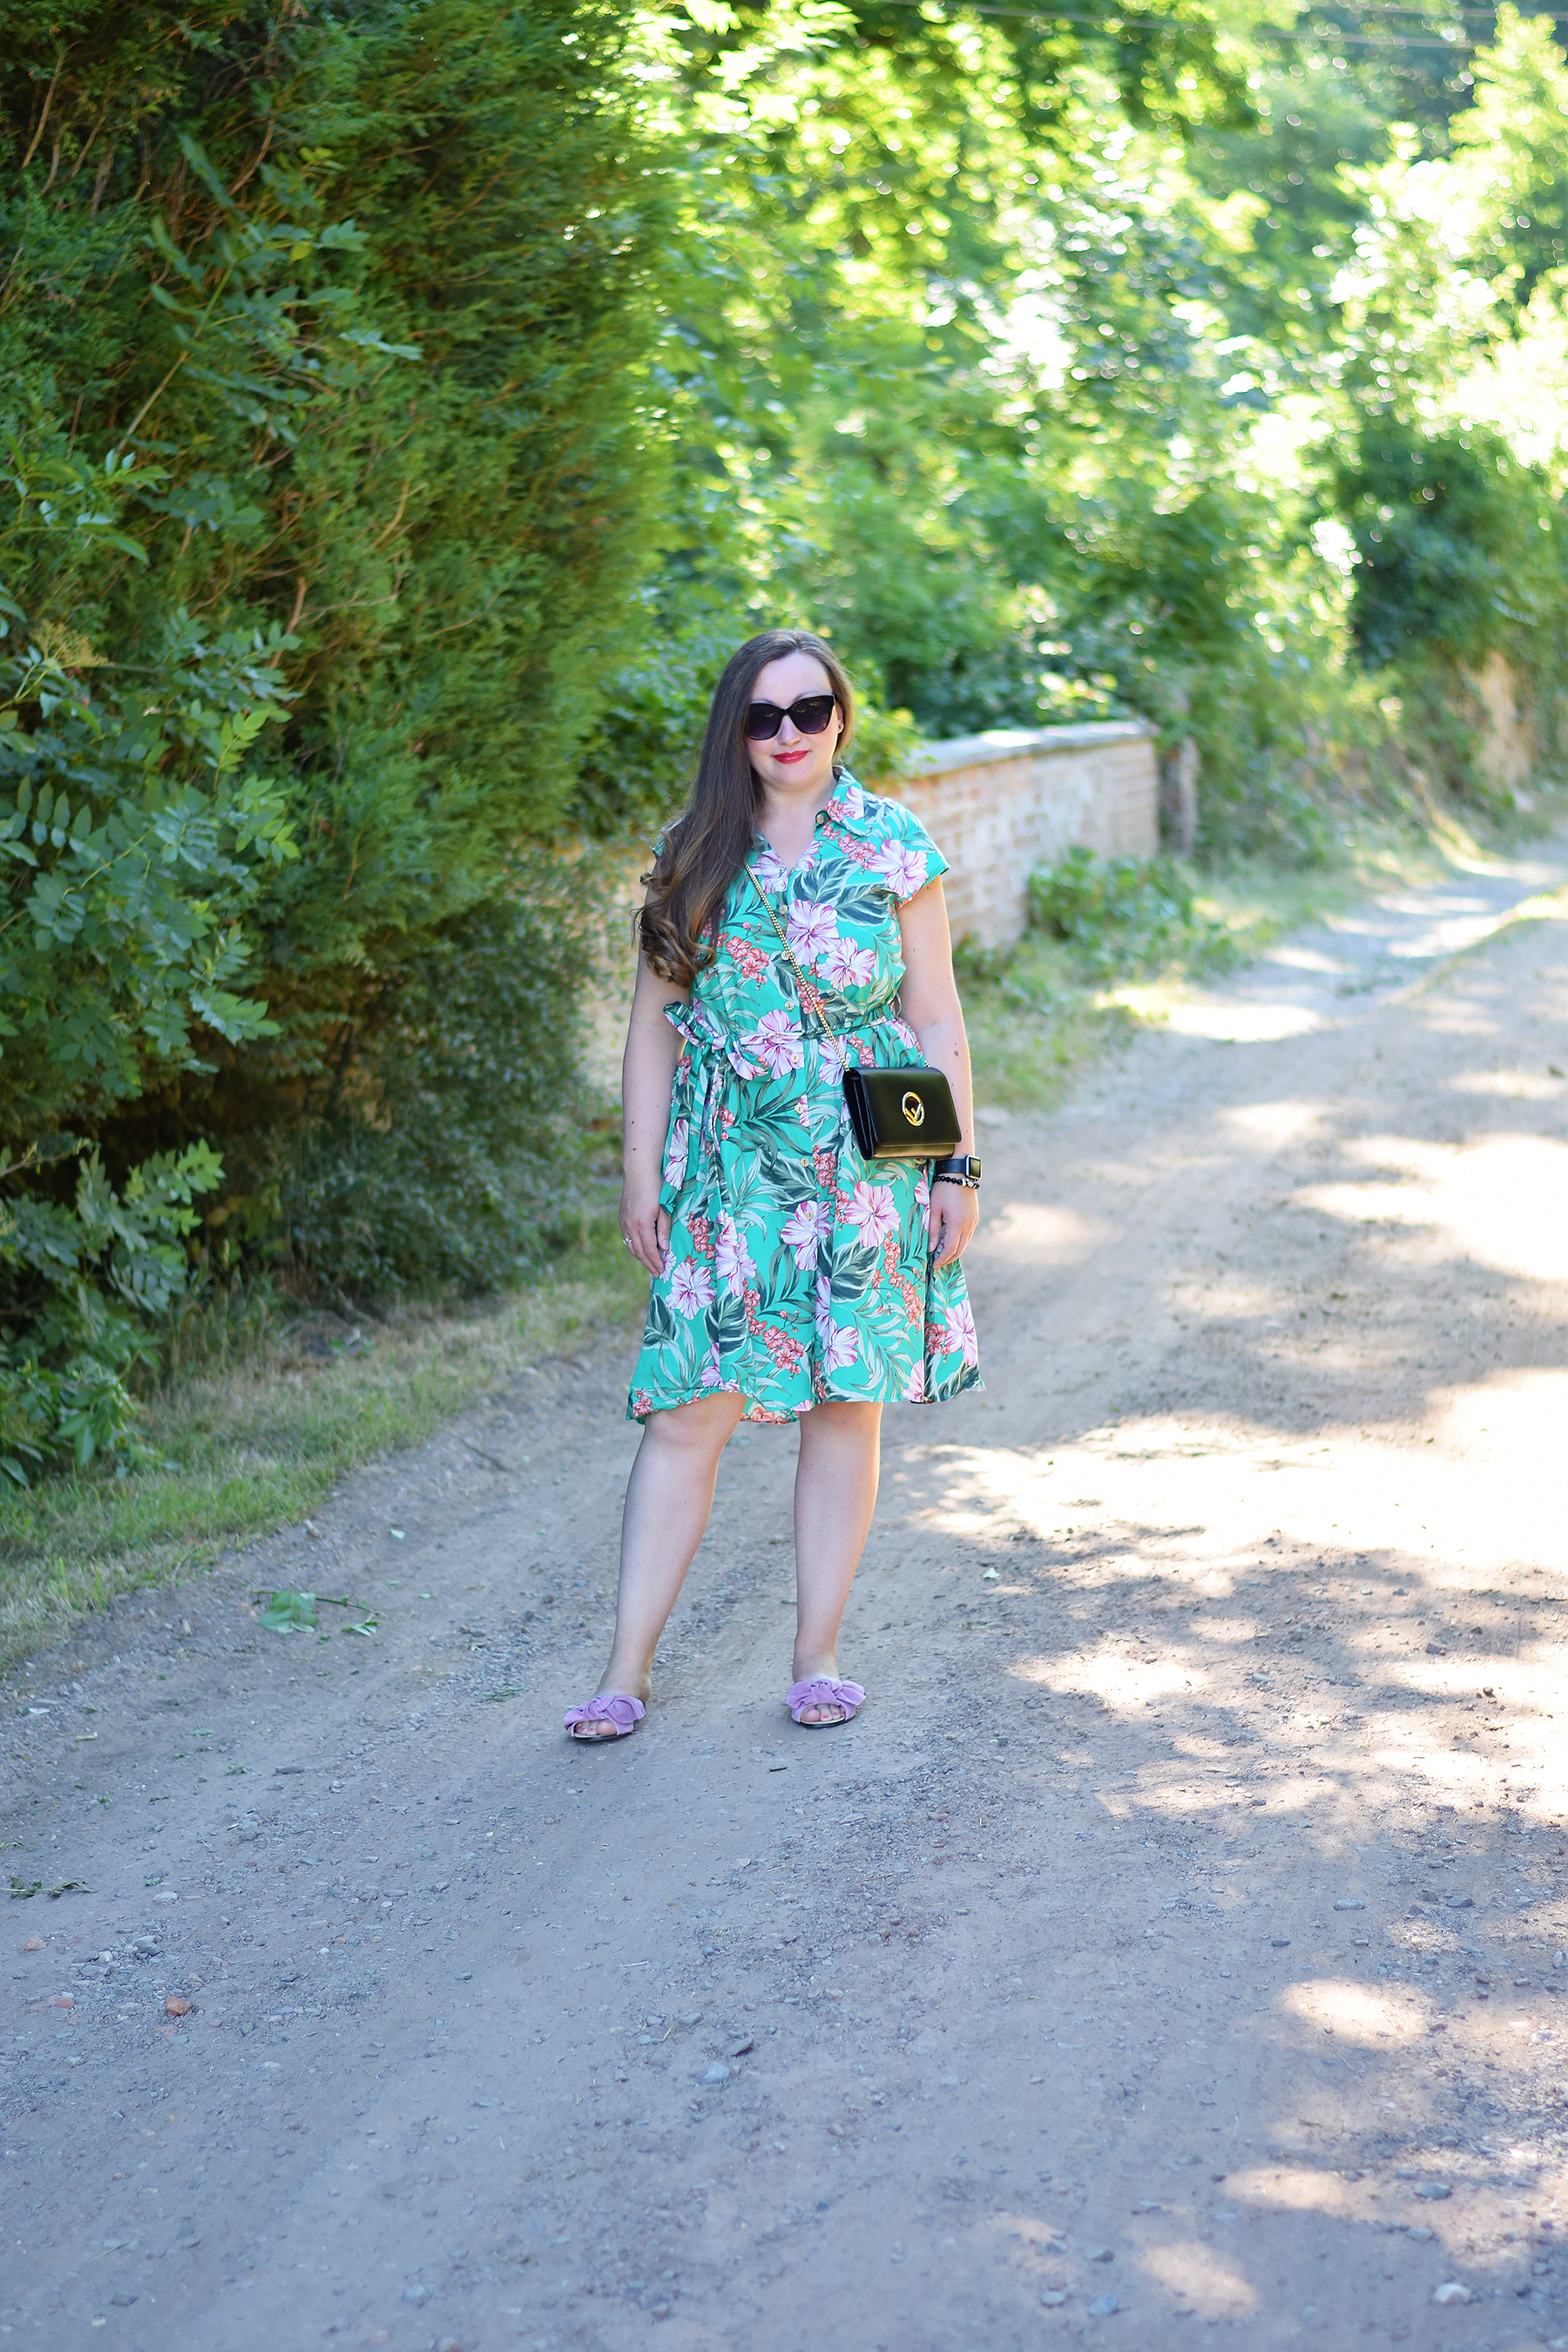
x=759, y=1414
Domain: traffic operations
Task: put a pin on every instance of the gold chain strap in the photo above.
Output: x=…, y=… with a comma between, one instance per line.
x=808, y=989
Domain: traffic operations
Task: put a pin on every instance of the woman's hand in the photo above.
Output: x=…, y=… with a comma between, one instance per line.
x=954, y=1213
x=930, y=1006
x=645, y=1228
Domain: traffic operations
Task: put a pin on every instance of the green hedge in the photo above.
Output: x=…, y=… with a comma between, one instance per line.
x=325, y=494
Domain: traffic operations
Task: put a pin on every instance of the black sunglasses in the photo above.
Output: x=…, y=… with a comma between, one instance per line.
x=811, y=715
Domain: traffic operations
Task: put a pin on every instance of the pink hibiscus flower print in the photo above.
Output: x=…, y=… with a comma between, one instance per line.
x=690, y=1288
x=840, y=1346
x=823, y=1309
x=915, y=1386
x=769, y=872
x=799, y=1232
x=849, y=966
x=732, y=1258
x=847, y=803
x=675, y=1152
x=812, y=929
x=872, y=1213
x=775, y=1040
x=958, y=1329
x=903, y=870
x=711, y=1374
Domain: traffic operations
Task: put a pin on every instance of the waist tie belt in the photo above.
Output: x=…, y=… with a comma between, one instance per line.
x=725, y=1055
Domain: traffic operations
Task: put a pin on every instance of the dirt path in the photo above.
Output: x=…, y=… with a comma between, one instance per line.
x=1177, y=1940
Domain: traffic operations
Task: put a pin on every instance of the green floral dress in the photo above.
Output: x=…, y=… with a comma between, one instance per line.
x=798, y=1271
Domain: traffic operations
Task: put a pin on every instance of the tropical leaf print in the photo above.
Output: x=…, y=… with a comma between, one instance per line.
x=797, y=1271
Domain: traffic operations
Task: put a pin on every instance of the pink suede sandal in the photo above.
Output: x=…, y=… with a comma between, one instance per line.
x=610, y=1706
x=825, y=1692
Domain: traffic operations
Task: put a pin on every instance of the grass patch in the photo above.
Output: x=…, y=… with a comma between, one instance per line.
x=1259, y=903
x=261, y=1446
x=1033, y=1022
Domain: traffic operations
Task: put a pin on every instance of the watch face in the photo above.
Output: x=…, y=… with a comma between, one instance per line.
x=973, y=1165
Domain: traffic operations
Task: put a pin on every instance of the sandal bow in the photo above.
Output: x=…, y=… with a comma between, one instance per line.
x=610, y=1706
x=823, y=1691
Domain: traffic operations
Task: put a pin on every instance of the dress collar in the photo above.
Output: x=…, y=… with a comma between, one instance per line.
x=847, y=806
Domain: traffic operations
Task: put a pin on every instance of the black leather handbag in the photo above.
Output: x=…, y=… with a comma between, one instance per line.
x=903, y=1114
x=906, y=1113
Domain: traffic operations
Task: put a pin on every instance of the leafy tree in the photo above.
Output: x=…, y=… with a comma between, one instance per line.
x=1512, y=153
x=1460, y=548
x=334, y=315
x=331, y=320
x=326, y=488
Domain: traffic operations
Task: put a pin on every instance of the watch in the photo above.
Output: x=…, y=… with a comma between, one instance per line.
x=963, y=1169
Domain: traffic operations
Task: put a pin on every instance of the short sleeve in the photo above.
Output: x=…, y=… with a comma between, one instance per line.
x=907, y=857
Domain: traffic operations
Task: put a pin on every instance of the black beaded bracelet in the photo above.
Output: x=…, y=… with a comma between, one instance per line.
x=969, y=1183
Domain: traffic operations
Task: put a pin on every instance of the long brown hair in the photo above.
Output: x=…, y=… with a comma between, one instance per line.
x=705, y=847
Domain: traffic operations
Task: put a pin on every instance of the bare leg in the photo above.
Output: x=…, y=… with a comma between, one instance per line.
x=668, y=1497
x=835, y=1496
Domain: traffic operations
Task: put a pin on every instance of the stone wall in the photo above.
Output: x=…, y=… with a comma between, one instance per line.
x=997, y=805
x=1001, y=803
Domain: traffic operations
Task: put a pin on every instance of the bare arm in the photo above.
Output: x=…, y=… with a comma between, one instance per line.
x=931, y=1008
x=647, y=1076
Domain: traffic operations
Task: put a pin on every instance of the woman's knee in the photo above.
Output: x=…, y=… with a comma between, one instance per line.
x=841, y=1420
x=702, y=1425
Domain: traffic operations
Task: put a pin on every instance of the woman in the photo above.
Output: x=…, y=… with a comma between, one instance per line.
x=793, y=1280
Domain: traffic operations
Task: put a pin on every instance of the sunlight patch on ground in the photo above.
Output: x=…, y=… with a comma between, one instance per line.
x=1028, y=1234
x=1370, y=1204
x=1228, y=1296
x=1464, y=922
x=1514, y=1420
x=1225, y=1019
x=1224, y=1629
x=1496, y=1504
x=1498, y=1201
x=1120, y=1682
x=1291, y=956
x=1360, y=2014
x=1298, y=2189
x=1274, y=1124
x=1527, y=1086
x=1196, y=2275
